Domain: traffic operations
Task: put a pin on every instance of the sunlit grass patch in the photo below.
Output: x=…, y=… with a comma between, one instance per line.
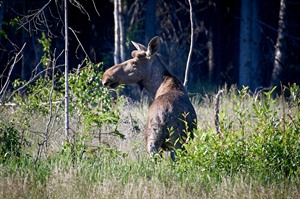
x=256, y=154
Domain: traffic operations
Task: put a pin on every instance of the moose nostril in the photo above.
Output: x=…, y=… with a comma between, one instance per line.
x=105, y=82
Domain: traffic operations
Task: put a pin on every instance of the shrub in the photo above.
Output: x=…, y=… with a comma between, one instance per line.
x=11, y=141
x=260, y=138
x=91, y=106
x=92, y=101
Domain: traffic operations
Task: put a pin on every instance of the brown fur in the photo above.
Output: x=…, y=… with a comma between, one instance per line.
x=171, y=113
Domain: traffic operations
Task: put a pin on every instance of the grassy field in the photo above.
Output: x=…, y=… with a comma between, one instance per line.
x=256, y=155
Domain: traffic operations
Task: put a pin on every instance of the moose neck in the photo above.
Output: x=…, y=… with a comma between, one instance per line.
x=156, y=77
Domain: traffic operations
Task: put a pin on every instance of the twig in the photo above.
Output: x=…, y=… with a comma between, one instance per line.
x=33, y=78
x=36, y=17
x=43, y=103
x=217, y=110
x=80, y=44
x=17, y=58
x=96, y=8
x=50, y=100
x=80, y=7
x=46, y=135
x=276, y=30
x=283, y=107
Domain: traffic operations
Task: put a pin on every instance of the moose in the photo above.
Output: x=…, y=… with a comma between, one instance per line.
x=171, y=117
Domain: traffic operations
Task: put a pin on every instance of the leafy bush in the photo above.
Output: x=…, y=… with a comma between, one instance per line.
x=261, y=138
x=90, y=105
x=11, y=141
x=92, y=101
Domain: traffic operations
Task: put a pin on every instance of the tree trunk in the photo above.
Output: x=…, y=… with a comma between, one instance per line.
x=1, y=17
x=24, y=59
x=249, y=57
x=121, y=30
x=119, y=52
x=245, y=47
x=256, y=53
x=117, y=32
x=214, y=42
x=150, y=20
x=66, y=72
x=211, y=61
x=280, y=47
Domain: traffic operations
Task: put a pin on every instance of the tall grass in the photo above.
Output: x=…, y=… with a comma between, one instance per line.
x=255, y=156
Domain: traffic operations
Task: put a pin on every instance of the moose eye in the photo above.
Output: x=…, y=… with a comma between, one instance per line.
x=134, y=64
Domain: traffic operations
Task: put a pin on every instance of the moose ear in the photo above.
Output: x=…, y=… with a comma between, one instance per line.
x=153, y=46
x=139, y=46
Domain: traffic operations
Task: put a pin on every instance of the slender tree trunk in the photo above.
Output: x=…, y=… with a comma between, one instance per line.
x=150, y=20
x=117, y=32
x=211, y=56
x=245, y=47
x=214, y=42
x=249, y=45
x=1, y=17
x=24, y=59
x=121, y=29
x=280, y=47
x=256, y=80
x=66, y=72
x=187, y=69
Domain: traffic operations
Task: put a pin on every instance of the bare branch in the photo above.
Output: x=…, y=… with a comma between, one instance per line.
x=17, y=58
x=96, y=8
x=34, y=77
x=57, y=6
x=187, y=68
x=80, y=44
x=46, y=134
x=276, y=30
x=80, y=7
x=37, y=18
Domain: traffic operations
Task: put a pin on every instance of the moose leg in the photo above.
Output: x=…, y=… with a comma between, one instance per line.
x=152, y=150
x=173, y=155
x=154, y=140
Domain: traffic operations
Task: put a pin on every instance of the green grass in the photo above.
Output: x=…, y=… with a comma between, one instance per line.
x=255, y=156
x=123, y=178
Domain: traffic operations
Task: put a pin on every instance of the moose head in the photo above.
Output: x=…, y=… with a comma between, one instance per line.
x=135, y=70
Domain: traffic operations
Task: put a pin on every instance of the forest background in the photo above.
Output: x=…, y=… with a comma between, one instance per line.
x=253, y=43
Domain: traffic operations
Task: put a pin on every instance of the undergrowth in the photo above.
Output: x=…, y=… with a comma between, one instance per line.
x=255, y=155
x=260, y=138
